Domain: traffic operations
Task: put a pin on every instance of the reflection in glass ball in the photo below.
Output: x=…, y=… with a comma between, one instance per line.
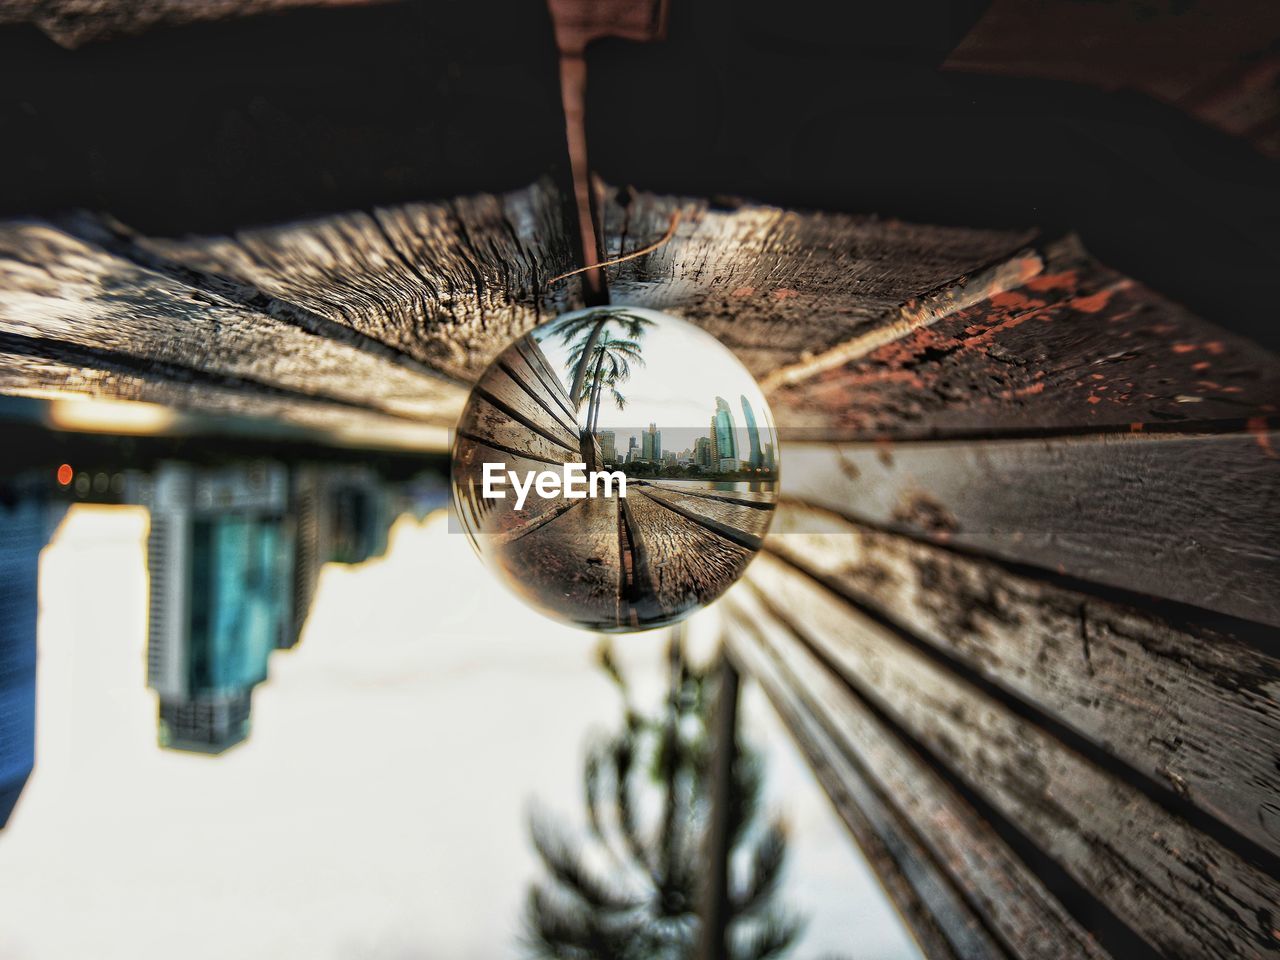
x=617, y=467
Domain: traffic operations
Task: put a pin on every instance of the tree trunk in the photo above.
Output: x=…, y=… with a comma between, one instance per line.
x=580, y=375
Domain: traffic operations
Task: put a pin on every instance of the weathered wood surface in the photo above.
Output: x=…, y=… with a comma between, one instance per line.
x=517, y=419
x=747, y=498
x=522, y=408
x=1078, y=347
x=678, y=562
x=496, y=519
x=55, y=286
x=1190, y=518
x=450, y=284
x=556, y=388
x=745, y=525
x=44, y=369
x=494, y=426
x=783, y=289
x=1193, y=708
x=1181, y=890
x=942, y=923
x=1007, y=897
x=570, y=566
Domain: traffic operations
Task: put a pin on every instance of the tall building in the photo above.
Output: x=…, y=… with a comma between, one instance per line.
x=723, y=430
x=702, y=452
x=340, y=514
x=769, y=463
x=633, y=450
x=25, y=523
x=756, y=457
x=651, y=444
x=608, y=448
x=220, y=563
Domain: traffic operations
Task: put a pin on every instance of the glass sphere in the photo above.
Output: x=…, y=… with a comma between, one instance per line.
x=617, y=468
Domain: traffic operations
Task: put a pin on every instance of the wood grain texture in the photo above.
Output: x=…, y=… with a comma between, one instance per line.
x=515, y=413
x=748, y=498
x=495, y=521
x=1193, y=708
x=944, y=926
x=680, y=563
x=778, y=286
x=540, y=366
x=450, y=284
x=570, y=566
x=1006, y=896
x=485, y=423
x=1078, y=347
x=49, y=370
x=1180, y=890
x=745, y=525
x=523, y=409
x=553, y=399
x=1190, y=518
x=59, y=287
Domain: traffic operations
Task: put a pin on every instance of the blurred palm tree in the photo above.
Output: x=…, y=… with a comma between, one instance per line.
x=584, y=332
x=631, y=891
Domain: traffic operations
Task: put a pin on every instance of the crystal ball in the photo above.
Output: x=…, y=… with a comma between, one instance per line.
x=616, y=467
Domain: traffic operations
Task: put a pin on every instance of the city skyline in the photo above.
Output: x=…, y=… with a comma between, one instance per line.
x=683, y=371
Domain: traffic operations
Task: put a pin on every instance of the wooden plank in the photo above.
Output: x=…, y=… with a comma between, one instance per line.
x=1194, y=708
x=450, y=284
x=508, y=394
x=57, y=286
x=1009, y=899
x=517, y=367
x=693, y=488
x=1078, y=347
x=679, y=563
x=745, y=525
x=570, y=566
x=782, y=288
x=496, y=521
x=538, y=362
x=485, y=423
x=50, y=370
x=1191, y=518
x=1179, y=889
x=943, y=925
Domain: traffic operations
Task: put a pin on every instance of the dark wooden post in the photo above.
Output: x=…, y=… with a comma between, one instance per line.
x=715, y=904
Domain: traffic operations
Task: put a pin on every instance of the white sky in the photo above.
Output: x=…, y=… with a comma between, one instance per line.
x=685, y=370
x=379, y=808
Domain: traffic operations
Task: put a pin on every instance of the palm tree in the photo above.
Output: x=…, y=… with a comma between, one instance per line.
x=632, y=890
x=587, y=329
x=610, y=364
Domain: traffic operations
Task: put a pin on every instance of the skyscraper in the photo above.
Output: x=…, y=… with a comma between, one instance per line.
x=26, y=522
x=756, y=458
x=724, y=429
x=652, y=444
x=221, y=582
x=702, y=452
x=608, y=448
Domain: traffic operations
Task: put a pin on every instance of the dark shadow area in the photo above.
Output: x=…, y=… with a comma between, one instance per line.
x=211, y=126
x=847, y=108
